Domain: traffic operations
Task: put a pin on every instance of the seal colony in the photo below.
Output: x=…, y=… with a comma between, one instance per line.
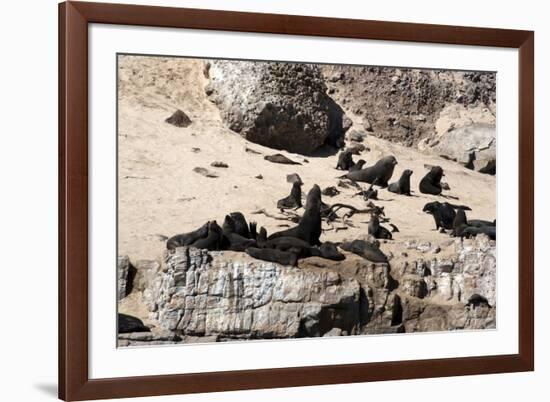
x=390, y=191
x=306, y=238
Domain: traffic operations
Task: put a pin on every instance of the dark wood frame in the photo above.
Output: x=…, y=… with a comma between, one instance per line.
x=74, y=18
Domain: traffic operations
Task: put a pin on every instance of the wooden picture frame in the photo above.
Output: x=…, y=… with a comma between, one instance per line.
x=74, y=381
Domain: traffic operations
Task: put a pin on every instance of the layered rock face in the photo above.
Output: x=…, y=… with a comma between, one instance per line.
x=279, y=105
x=201, y=296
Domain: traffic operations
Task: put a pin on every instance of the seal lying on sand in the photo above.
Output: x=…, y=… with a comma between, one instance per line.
x=309, y=228
x=403, y=185
x=431, y=183
x=368, y=250
x=443, y=213
x=280, y=158
x=380, y=173
x=185, y=239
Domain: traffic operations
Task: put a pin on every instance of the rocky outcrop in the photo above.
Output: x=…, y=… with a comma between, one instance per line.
x=404, y=105
x=436, y=292
x=201, y=296
x=279, y=105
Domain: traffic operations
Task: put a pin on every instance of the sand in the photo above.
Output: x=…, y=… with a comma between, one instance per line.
x=159, y=195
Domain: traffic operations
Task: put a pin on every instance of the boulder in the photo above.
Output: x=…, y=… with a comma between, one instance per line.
x=459, y=143
x=179, y=119
x=278, y=105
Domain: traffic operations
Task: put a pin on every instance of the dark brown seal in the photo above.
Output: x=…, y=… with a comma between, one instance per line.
x=380, y=173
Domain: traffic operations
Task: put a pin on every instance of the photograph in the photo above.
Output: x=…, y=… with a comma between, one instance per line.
x=270, y=200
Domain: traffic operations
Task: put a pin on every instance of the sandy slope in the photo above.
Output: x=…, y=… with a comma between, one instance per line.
x=160, y=195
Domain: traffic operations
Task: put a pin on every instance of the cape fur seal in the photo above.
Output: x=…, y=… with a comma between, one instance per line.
x=273, y=255
x=309, y=227
x=477, y=300
x=280, y=158
x=443, y=213
x=403, y=185
x=186, y=239
x=128, y=323
x=358, y=165
x=367, y=250
x=213, y=240
x=345, y=160
x=377, y=230
x=294, y=200
x=461, y=223
x=431, y=182
x=241, y=227
x=472, y=231
x=232, y=240
x=302, y=248
x=378, y=174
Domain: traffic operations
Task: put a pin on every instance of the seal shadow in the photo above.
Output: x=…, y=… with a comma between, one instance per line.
x=47, y=388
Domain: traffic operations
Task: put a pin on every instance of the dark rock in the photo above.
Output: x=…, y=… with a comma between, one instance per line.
x=204, y=172
x=179, y=119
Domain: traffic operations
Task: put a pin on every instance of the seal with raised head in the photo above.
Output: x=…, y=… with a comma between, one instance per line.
x=358, y=165
x=460, y=222
x=273, y=255
x=443, y=213
x=185, y=239
x=377, y=230
x=231, y=239
x=403, y=185
x=380, y=173
x=309, y=227
x=213, y=240
x=431, y=182
x=294, y=199
x=345, y=160
x=241, y=226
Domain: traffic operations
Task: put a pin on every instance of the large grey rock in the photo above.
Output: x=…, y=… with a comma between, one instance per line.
x=458, y=143
x=279, y=105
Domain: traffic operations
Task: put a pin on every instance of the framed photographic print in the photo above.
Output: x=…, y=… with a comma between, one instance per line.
x=260, y=200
